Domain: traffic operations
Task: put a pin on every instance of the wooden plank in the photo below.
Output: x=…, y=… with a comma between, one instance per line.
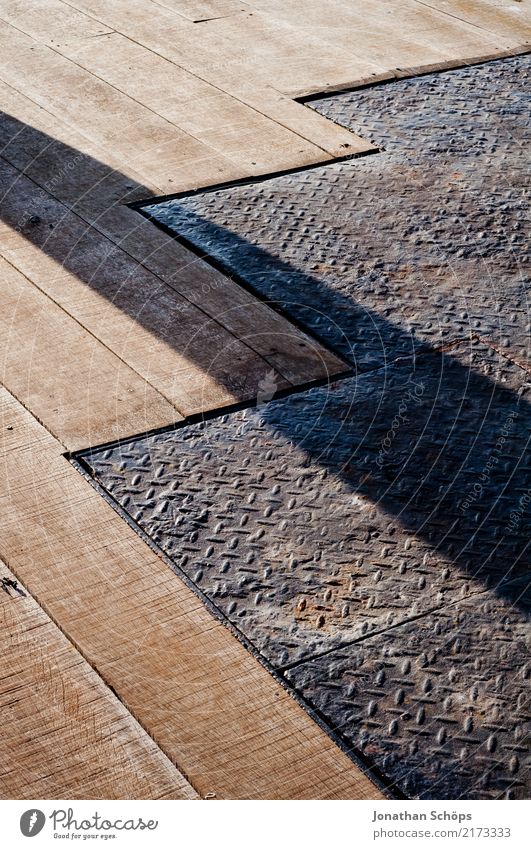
x=426, y=36
x=307, y=122
x=241, y=134
x=76, y=166
x=201, y=693
x=204, y=10
x=140, y=16
x=182, y=352
x=353, y=29
x=65, y=735
x=268, y=52
x=69, y=380
x=210, y=706
x=155, y=148
x=456, y=38
x=249, y=139
x=38, y=17
x=301, y=48
x=253, y=141
x=511, y=18
x=97, y=192
x=278, y=47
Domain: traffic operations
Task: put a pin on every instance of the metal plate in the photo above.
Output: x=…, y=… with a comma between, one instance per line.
x=369, y=538
x=418, y=244
x=440, y=705
x=316, y=521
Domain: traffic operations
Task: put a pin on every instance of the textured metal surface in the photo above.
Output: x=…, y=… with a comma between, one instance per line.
x=418, y=244
x=321, y=519
x=440, y=705
x=370, y=538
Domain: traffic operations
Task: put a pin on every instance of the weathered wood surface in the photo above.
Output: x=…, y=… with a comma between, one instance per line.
x=200, y=90
x=208, y=704
x=65, y=375
x=65, y=735
x=184, y=354
x=111, y=327
x=181, y=326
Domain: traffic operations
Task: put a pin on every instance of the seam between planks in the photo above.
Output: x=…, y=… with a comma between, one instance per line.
x=112, y=694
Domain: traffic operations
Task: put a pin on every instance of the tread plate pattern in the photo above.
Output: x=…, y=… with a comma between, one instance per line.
x=420, y=243
x=440, y=705
x=310, y=540
x=369, y=539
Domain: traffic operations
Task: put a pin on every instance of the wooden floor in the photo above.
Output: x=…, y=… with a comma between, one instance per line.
x=110, y=328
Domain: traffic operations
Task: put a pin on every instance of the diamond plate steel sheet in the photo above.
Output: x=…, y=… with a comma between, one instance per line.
x=440, y=705
x=314, y=522
x=416, y=245
x=369, y=539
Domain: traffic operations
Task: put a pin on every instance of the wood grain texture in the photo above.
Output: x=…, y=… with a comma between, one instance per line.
x=202, y=10
x=65, y=735
x=43, y=351
x=186, y=329
x=179, y=350
x=509, y=18
x=142, y=139
x=168, y=132
x=209, y=705
x=111, y=327
x=228, y=128
x=305, y=47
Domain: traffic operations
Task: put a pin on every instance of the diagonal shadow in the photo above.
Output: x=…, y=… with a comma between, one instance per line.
x=457, y=464
x=466, y=408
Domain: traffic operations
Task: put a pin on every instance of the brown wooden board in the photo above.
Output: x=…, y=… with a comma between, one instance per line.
x=210, y=706
x=177, y=336
x=65, y=735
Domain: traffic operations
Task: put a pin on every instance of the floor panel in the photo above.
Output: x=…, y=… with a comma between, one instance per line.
x=65, y=733
x=378, y=524
x=205, y=699
x=210, y=706
x=411, y=247
x=440, y=705
x=313, y=522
